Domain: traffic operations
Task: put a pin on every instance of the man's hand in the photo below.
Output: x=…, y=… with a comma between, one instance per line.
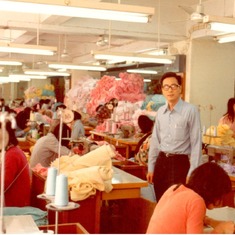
x=149, y=177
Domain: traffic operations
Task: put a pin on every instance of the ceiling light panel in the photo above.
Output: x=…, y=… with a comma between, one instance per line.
x=230, y=28
x=226, y=38
x=46, y=73
x=10, y=62
x=82, y=9
x=134, y=57
x=76, y=67
x=27, y=49
x=142, y=71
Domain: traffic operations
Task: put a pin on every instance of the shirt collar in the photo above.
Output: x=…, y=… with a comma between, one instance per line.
x=177, y=107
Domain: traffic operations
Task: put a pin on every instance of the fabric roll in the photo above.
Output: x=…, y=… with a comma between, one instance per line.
x=99, y=157
x=84, y=182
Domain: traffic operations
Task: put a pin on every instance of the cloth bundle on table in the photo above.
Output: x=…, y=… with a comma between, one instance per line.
x=87, y=173
x=84, y=182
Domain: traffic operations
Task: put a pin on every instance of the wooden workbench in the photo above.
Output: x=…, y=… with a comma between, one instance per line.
x=125, y=186
x=129, y=143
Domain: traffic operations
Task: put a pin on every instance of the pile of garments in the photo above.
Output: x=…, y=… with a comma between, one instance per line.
x=220, y=135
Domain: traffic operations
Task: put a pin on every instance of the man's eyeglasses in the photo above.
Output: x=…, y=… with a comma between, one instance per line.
x=173, y=87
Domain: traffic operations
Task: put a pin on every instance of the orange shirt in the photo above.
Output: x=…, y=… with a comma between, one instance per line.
x=179, y=211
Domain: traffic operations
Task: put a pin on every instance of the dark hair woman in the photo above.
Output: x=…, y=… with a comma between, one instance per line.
x=77, y=126
x=182, y=208
x=46, y=149
x=17, y=174
x=228, y=117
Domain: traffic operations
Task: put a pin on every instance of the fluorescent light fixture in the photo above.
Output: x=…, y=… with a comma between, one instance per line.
x=46, y=73
x=226, y=38
x=27, y=49
x=6, y=79
x=82, y=9
x=219, y=19
x=134, y=57
x=145, y=80
x=27, y=77
x=222, y=27
x=158, y=52
x=10, y=62
x=24, y=79
x=143, y=71
x=76, y=67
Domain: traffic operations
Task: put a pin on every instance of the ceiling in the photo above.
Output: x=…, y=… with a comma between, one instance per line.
x=75, y=38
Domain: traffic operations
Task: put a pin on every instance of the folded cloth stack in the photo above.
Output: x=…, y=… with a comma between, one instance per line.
x=87, y=173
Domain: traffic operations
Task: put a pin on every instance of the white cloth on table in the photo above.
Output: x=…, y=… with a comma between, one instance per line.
x=84, y=182
x=88, y=173
x=98, y=157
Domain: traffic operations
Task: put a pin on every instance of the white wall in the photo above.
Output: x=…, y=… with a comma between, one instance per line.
x=210, y=78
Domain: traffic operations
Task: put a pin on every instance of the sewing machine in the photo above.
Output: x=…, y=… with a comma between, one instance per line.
x=221, y=153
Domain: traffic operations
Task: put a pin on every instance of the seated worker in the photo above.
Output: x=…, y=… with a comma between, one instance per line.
x=46, y=149
x=182, y=208
x=141, y=152
x=22, y=122
x=77, y=126
x=228, y=117
x=17, y=173
x=55, y=109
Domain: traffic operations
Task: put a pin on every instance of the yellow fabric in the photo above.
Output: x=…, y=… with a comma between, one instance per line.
x=221, y=135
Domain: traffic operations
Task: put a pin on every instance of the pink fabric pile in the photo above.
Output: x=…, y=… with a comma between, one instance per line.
x=78, y=96
x=130, y=88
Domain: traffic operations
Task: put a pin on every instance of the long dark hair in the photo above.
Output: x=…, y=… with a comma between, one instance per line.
x=11, y=132
x=230, y=109
x=66, y=132
x=211, y=182
x=145, y=123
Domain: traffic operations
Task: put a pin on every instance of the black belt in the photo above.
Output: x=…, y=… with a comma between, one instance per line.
x=173, y=154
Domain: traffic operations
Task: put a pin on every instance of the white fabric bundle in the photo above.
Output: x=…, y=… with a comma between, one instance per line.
x=98, y=157
x=84, y=182
x=87, y=173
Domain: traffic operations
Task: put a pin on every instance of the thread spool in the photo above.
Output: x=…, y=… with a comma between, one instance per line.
x=114, y=128
x=61, y=192
x=35, y=133
x=51, y=181
x=106, y=126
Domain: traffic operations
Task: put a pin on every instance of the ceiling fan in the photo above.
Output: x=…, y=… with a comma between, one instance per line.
x=102, y=41
x=196, y=15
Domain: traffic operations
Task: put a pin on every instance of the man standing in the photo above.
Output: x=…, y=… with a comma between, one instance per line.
x=175, y=147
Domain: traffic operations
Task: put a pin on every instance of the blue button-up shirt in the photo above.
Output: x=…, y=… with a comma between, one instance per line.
x=177, y=131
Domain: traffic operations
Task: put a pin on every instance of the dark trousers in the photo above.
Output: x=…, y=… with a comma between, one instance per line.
x=169, y=170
